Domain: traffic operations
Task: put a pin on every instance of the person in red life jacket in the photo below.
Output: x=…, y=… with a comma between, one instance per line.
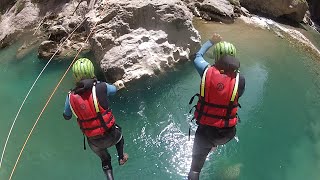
x=216, y=111
x=88, y=102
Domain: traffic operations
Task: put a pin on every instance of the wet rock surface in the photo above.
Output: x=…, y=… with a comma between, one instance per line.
x=291, y=9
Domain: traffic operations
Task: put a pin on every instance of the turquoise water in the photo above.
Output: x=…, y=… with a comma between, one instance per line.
x=278, y=138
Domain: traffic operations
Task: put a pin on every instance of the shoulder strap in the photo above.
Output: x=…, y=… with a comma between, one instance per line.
x=235, y=88
x=94, y=96
x=69, y=95
x=203, y=82
x=233, y=96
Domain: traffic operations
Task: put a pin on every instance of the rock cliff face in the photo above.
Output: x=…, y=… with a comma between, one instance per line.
x=133, y=38
x=142, y=38
x=20, y=16
x=58, y=25
x=5, y=4
x=292, y=9
x=214, y=10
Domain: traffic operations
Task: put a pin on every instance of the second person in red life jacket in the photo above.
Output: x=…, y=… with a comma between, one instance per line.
x=216, y=111
x=89, y=104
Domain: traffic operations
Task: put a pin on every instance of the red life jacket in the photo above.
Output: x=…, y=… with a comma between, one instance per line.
x=218, y=100
x=92, y=118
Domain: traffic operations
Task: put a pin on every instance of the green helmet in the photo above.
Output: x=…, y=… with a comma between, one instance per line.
x=223, y=48
x=83, y=69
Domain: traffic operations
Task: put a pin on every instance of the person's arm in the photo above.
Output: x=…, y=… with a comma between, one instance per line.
x=199, y=62
x=111, y=89
x=242, y=85
x=67, y=113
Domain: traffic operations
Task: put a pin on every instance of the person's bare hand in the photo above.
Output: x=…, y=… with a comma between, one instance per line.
x=215, y=38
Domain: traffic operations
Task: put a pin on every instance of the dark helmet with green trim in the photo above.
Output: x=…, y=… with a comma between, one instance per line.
x=223, y=48
x=83, y=69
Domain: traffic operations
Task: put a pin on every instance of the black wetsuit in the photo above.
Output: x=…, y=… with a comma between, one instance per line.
x=100, y=145
x=207, y=137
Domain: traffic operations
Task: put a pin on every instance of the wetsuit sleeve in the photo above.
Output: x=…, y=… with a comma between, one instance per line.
x=111, y=89
x=199, y=62
x=242, y=84
x=67, y=113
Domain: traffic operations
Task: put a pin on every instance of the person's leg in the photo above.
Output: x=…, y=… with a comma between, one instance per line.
x=104, y=156
x=221, y=136
x=122, y=157
x=201, y=148
x=107, y=167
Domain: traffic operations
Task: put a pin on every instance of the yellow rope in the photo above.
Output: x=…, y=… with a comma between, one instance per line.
x=26, y=97
x=45, y=106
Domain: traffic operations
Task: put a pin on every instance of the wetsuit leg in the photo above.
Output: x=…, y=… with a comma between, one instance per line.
x=201, y=148
x=105, y=159
x=119, y=147
x=120, y=143
x=107, y=169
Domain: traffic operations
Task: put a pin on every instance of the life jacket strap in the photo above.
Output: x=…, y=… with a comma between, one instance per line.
x=215, y=116
x=96, y=127
x=94, y=118
x=96, y=106
x=73, y=112
x=233, y=96
x=203, y=82
x=217, y=105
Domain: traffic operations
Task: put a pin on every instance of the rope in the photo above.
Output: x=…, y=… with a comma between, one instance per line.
x=45, y=106
x=15, y=119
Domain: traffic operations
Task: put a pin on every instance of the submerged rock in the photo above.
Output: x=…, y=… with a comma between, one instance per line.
x=292, y=9
x=231, y=172
x=142, y=38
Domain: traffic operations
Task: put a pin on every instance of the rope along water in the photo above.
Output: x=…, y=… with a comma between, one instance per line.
x=45, y=106
x=15, y=119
